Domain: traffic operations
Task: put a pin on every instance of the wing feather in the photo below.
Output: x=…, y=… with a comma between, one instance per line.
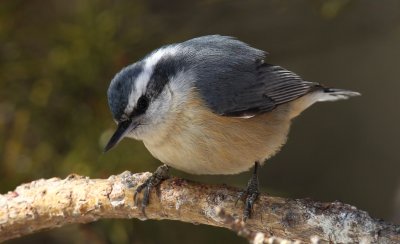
x=274, y=86
x=234, y=80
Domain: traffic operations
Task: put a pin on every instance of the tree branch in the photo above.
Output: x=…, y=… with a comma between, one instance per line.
x=45, y=204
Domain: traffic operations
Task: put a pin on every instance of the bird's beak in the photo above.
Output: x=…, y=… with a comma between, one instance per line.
x=123, y=128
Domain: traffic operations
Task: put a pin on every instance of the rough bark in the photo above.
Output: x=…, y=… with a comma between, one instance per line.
x=45, y=204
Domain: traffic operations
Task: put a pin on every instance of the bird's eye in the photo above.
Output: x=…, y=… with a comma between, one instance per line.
x=142, y=105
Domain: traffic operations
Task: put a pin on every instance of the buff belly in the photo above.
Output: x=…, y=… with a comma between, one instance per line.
x=205, y=143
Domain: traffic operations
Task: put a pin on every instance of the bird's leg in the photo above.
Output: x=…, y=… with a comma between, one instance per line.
x=162, y=173
x=251, y=193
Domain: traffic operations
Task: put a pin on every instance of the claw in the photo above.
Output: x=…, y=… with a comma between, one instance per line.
x=162, y=173
x=251, y=193
x=251, y=198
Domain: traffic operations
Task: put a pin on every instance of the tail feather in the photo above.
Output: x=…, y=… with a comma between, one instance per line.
x=333, y=94
x=320, y=94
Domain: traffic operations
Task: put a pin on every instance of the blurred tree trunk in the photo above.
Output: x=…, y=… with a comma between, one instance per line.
x=45, y=204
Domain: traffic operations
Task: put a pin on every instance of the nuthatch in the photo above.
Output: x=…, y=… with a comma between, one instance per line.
x=210, y=105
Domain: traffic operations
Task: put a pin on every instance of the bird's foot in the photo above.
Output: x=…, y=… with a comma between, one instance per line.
x=251, y=193
x=162, y=173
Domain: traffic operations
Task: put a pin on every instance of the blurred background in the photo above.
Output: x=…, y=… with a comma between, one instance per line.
x=57, y=59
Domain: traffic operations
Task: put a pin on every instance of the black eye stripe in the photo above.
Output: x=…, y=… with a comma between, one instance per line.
x=165, y=68
x=141, y=105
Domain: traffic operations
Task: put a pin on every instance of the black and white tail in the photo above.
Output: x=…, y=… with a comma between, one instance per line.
x=319, y=94
x=332, y=94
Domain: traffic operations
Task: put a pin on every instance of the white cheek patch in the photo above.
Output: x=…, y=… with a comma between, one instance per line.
x=163, y=110
x=180, y=86
x=175, y=94
x=144, y=77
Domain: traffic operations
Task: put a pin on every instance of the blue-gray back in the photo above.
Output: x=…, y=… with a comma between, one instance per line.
x=234, y=80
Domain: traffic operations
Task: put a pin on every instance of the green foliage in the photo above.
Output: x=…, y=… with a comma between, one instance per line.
x=57, y=61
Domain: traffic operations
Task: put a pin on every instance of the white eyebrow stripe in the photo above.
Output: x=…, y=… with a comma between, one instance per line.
x=143, y=79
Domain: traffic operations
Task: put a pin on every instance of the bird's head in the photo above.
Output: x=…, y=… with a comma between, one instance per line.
x=142, y=96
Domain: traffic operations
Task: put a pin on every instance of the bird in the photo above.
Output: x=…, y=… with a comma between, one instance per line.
x=210, y=105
